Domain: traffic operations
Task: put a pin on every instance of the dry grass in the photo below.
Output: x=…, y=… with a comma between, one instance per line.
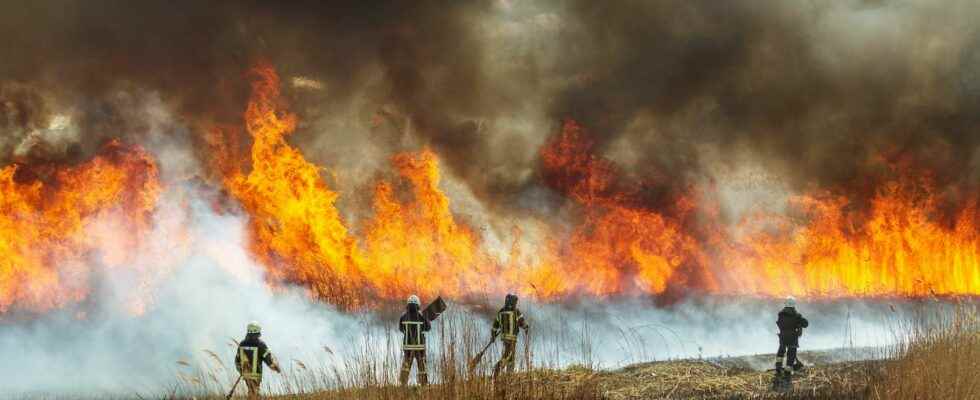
x=938, y=358
x=368, y=370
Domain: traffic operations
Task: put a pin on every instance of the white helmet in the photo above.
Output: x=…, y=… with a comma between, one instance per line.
x=253, y=327
x=791, y=302
x=413, y=299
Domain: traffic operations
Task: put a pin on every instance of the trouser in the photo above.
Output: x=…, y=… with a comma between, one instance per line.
x=787, y=348
x=419, y=357
x=507, y=358
x=253, y=386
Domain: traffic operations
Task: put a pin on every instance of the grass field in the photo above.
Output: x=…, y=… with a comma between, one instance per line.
x=937, y=357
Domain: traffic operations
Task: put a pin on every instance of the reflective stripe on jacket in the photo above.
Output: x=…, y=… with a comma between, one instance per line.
x=413, y=326
x=252, y=353
x=508, y=324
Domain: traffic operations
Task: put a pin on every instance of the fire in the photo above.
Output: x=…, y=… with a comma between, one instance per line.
x=297, y=231
x=57, y=231
x=49, y=244
x=417, y=245
x=296, y=228
x=414, y=244
x=619, y=247
x=898, y=250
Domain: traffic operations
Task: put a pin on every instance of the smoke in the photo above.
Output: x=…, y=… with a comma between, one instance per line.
x=147, y=328
x=761, y=99
x=616, y=334
x=826, y=93
x=814, y=90
x=191, y=298
x=139, y=322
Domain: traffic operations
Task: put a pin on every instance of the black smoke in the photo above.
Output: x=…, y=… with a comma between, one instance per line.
x=823, y=93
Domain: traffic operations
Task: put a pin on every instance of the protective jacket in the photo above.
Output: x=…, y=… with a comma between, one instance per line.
x=509, y=323
x=413, y=326
x=252, y=353
x=791, y=324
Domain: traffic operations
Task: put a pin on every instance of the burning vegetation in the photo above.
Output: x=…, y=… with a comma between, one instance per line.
x=616, y=246
x=604, y=190
x=162, y=163
x=51, y=217
x=906, y=241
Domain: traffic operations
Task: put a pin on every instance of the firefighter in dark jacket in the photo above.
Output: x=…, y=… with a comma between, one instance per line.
x=791, y=324
x=252, y=353
x=508, y=324
x=413, y=326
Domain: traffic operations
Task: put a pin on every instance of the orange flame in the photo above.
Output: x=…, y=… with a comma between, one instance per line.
x=619, y=246
x=296, y=229
x=417, y=246
x=298, y=233
x=48, y=245
x=899, y=250
x=906, y=242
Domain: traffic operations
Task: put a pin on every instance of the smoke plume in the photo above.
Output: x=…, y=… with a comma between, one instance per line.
x=691, y=117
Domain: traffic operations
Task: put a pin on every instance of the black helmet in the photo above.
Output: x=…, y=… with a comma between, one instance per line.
x=510, y=301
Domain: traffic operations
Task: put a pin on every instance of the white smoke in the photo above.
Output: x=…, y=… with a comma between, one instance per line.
x=202, y=303
x=147, y=327
x=203, y=300
x=615, y=334
x=212, y=288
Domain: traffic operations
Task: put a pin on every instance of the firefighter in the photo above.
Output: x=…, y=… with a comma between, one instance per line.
x=791, y=324
x=508, y=324
x=252, y=353
x=413, y=326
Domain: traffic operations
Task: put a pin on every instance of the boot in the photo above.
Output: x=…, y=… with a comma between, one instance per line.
x=778, y=382
x=787, y=380
x=798, y=367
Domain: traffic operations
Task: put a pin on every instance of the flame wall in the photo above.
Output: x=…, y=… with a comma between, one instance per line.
x=557, y=150
x=616, y=246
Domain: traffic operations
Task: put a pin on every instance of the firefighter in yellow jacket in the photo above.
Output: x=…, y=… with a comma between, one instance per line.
x=252, y=353
x=507, y=325
x=413, y=325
